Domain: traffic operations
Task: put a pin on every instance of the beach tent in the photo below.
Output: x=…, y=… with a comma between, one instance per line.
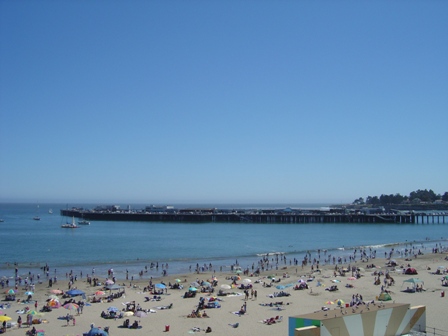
x=413, y=281
x=96, y=332
x=384, y=297
x=411, y=270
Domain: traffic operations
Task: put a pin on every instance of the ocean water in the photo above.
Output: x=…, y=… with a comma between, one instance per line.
x=133, y=245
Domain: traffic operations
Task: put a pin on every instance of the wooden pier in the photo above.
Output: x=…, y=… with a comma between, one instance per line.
x=268, y=218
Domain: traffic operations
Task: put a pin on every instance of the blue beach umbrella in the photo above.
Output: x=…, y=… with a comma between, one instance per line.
x=74, y=292
x=192, y=289
x=160, y=285
x=112, y=309
x=96, y=332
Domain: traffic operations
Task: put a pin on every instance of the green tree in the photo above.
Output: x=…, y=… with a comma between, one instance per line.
x=445, y=196
x=372, y=200
x=358, y=201
x=423, y=195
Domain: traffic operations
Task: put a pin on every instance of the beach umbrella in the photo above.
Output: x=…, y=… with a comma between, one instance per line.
x=75, y=292
x=4, y=318
x=247, y=281
x=112, y=309
x=340, y=302
x=194, y=284
x=329, y=302
x=140, y=313
x=29, y=293
x=109, y=282
x=99, y=293
x=54, y=303
x=239, y=272
x=35, y=313
x=96, y=332
x=206, y=284
x=178, y=280
x=280, y=287
x=160, y=286
x=113, y=287
x=192, y=289
x=225, y=286
x=128, y=313
x=71, y=306
x=56, y=291
x=11, y=291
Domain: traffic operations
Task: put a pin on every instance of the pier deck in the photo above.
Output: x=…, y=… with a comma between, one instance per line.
x=208, y=216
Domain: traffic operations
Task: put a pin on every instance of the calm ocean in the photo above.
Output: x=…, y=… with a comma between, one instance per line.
x=133, y=245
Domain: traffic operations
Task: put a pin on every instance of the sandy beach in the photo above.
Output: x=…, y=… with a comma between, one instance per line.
x=222, y=319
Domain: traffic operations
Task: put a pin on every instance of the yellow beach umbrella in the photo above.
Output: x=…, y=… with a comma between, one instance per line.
x=4, y=318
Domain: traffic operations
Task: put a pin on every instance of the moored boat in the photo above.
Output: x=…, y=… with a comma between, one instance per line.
x=83, y=222
x=71, y=225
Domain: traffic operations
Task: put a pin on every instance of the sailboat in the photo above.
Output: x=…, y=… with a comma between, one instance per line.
x=37, y=215
x=71, y=225
x=50, y=211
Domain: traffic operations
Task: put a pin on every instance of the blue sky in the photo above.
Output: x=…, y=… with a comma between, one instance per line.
x=222, y=101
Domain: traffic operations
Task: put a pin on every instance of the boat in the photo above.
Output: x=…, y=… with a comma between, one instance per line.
x=1, y=220
x=50, y=211
x=37, y=218
x=71, y=225
x=83, y=222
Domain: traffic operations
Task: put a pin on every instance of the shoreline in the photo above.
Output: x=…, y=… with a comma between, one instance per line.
x=135, y=267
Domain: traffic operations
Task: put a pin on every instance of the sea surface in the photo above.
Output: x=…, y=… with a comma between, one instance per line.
x=130, y=246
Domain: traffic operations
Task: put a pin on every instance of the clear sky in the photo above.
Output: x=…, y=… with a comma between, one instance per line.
x=222, y=101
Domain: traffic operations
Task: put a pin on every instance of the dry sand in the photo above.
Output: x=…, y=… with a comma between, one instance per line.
x=300, y=301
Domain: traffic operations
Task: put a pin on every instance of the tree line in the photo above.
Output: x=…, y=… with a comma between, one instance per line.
x=419, y=196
